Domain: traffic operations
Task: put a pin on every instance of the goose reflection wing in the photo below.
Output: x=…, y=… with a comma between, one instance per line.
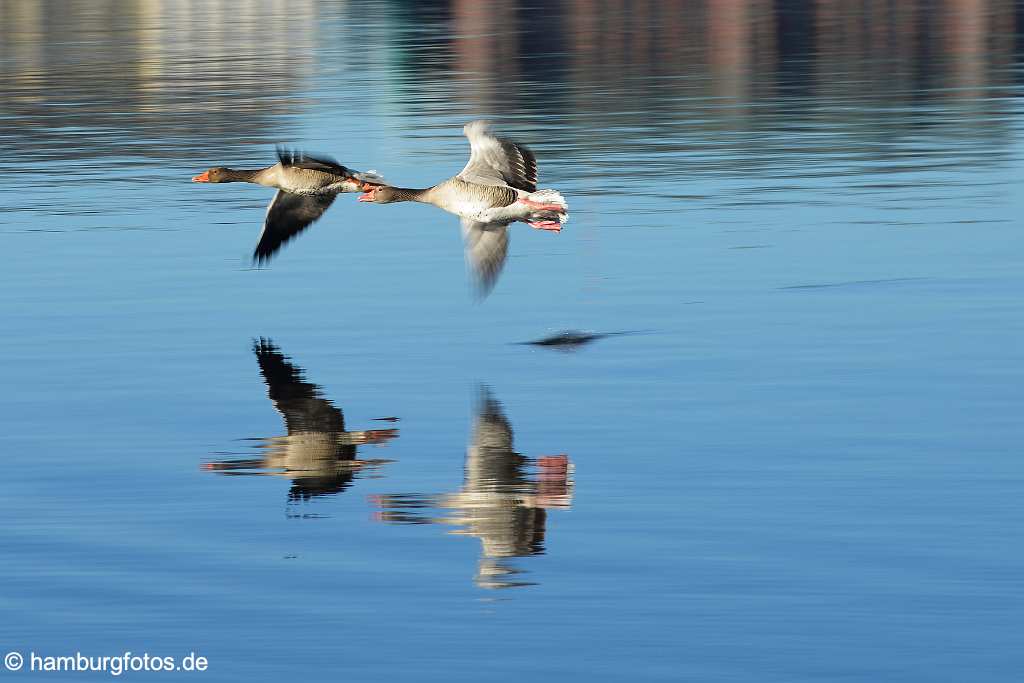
x=492, y=430
x=486, y=247
x=299, y=402
x=287, y=216
x=497, y=161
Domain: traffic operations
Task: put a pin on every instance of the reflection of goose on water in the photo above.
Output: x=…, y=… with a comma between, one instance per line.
x=497, y=187
x=318, y=455
x=499, y=502
x=306, y=187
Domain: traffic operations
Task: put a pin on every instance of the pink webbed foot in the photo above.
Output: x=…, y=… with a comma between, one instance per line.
x=540, y=206
x=553, y=226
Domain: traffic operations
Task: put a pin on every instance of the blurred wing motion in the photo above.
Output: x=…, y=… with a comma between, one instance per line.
x=497, y=161
x=287, y=216
x=486, y=247
x=318, y=172
x=293, y=158
x=315, y=182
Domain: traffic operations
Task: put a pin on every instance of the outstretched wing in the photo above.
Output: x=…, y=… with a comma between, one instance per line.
x=298, y=159
x=287, y=216
x=300, y=402
x=486, y=247
x=492, y=429
x=497, y=161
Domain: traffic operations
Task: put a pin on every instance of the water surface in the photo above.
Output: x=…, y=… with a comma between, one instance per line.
x=806, y=468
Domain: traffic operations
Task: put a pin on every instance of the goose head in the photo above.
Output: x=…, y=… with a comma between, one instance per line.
x=215, y=175
x=379, y=194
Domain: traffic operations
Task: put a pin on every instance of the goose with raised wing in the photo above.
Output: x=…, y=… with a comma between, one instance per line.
x=318, y=454
x=497, y=187
x=503, y=501
x=306, y=187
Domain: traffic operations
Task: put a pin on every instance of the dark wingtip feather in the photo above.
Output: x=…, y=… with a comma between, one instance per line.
x=320, y=162
x=261, y=256
x=528, y=161
x=265, y=346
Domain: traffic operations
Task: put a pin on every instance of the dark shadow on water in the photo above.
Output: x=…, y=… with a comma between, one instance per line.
x=318, y=454
x=573, y=340
x=501, y=502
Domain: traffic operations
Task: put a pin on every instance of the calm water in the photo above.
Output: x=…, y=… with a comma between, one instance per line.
x=807, y=466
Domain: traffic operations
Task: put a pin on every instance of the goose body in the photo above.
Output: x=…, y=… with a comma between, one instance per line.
x=306, y=187
x=497, y=187
x=471, y=201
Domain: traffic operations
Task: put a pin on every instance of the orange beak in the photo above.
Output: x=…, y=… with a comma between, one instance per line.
x=367, y=196
x=203, y=177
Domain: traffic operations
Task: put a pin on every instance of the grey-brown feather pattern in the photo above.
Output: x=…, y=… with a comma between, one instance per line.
x=455, y=191
x=300, y=173
x=498, y=161
x=492, y=429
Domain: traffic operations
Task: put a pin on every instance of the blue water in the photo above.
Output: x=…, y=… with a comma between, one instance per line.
x=803, y=466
